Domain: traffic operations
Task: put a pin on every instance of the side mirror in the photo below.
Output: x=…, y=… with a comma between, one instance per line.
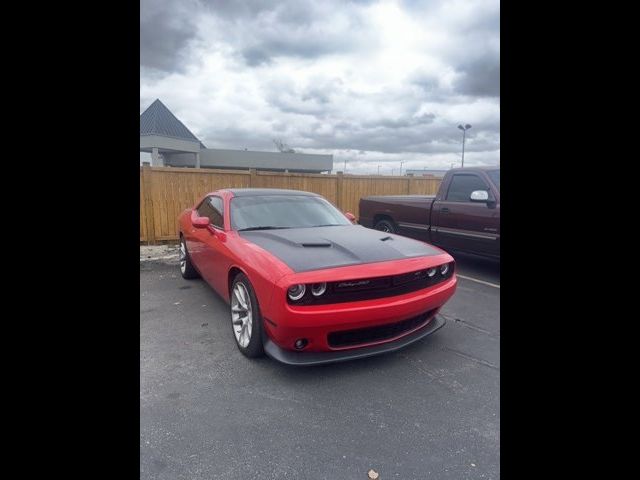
x=200, y=222
x=479, y=196
x=351, y=217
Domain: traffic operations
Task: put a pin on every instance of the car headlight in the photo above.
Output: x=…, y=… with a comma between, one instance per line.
x=431, y=272
x=444, y=269
x=296, y=292
x=318, y=289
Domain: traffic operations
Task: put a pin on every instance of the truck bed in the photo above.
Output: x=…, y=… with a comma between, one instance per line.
x=409, y=212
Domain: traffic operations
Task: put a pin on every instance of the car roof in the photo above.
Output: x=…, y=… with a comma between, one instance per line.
x=254, y=192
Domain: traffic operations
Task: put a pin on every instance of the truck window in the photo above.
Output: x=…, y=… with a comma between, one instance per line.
x=462, y=185
x=494, y=175
x=212, y=207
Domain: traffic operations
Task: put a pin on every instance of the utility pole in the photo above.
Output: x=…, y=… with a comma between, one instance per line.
x=464, y=134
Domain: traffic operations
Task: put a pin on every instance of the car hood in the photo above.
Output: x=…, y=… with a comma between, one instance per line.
x=305, y=249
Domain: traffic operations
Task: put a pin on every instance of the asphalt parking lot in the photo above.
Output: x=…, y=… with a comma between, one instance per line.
x=430, y=411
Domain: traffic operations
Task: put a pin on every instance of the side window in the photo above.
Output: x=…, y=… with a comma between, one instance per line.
x=213, y=208
x=462, y=185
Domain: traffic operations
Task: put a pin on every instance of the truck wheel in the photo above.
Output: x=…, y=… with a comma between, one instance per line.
x=385, y=226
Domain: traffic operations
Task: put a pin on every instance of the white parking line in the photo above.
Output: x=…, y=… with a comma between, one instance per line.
x=494, y=285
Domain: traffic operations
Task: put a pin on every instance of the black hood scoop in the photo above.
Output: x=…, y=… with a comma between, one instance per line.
x=316, y=248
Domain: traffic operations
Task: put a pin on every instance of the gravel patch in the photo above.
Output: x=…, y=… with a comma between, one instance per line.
x=164, y=253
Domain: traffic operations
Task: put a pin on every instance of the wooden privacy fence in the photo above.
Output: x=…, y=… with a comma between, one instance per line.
x=167, y=191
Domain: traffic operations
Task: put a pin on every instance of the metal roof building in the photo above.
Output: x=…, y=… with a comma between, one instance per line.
x=162, y=134
x=171, y=143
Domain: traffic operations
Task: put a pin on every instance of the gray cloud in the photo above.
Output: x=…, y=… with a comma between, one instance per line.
x=399, y=123
x=291, y=44
x=480, y=77
x=299, y=29
x=429, y=83
x=476, y=55
x=442, y=139
x=165, y=31
x=326, y=76
x=236, y=9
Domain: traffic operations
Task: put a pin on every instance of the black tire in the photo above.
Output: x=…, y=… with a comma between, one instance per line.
x=385, y=225
x=187, y=269
x=255, y=346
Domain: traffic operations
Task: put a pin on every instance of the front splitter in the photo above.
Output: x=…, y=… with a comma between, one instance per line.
x=319, y=358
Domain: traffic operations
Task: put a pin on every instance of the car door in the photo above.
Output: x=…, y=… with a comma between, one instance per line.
x=194, y=237
x=462, y=224
x=210, y=256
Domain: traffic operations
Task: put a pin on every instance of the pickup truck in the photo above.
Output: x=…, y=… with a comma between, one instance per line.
x=463, y=216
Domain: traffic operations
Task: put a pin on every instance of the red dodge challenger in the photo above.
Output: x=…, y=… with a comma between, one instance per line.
x=305, y=285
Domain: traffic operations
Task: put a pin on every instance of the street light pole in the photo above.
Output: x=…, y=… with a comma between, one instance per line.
x=401, y=162
x=464, y=134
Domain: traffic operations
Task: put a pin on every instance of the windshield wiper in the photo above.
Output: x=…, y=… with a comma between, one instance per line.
x=263, y=227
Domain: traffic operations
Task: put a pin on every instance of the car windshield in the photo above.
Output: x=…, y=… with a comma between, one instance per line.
x=265, y=212
x=495, y=178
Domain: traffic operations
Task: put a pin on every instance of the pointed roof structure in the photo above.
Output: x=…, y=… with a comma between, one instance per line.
x=172, y=144
x=158, y=120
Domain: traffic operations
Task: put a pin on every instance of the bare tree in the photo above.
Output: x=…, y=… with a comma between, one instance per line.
x=283, y=147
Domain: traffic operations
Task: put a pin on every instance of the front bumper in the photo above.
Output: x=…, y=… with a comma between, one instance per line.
x=303, y=358
x=316, y=324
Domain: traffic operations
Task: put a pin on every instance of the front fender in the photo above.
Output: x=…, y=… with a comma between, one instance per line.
x=263, y=270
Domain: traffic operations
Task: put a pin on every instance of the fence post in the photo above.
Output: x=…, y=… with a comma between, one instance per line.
x=412, y=183
x=148, y=203
x=339, y=178
x=253, y=178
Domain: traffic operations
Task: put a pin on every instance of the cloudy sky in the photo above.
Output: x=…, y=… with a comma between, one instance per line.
x=371, y=82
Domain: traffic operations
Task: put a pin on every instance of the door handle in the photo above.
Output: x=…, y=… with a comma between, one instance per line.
x=444, y=210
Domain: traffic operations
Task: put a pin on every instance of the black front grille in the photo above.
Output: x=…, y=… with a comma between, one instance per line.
x=372, y=288
x=347, y=338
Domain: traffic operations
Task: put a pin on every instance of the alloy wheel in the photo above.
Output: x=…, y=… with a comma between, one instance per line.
x=241, y=314
x=183, y=257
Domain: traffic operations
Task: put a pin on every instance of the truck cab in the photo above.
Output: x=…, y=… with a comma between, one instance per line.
x=465, y=214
